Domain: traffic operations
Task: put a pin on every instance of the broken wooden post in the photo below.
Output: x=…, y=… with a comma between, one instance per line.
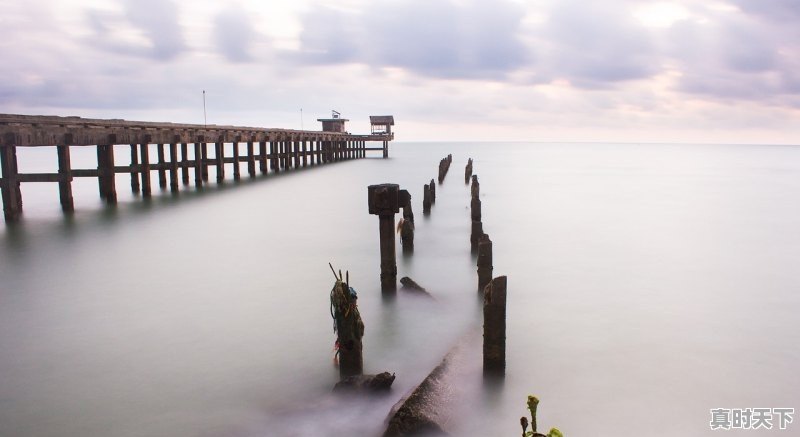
x=406, y=223
x=475, y=189
x=433, y=192
x=484, y=262
x=384, y=201
x=426, y=199
x=349, y=328
x=468, y=171
x=494, y=327
x=475, y=234
x=475, y=209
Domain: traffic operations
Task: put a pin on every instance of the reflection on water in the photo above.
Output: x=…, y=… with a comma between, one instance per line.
x=647, y=284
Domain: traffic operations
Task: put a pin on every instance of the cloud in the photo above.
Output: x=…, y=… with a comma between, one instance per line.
x=234, y=34
x=157, y=33
x=433, y=38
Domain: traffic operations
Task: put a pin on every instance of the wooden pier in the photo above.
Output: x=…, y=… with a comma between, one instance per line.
x=263, y=150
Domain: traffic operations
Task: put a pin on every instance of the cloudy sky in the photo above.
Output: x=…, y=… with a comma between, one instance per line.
x=539, y=70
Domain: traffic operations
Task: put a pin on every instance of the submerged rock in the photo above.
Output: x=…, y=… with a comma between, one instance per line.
x=411, y=286
x=365, y=383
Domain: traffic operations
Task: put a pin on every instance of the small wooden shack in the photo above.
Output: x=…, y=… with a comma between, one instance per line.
x=381, y=124
x=333, y=124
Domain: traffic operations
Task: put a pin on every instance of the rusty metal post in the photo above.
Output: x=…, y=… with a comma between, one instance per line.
x=384, y=201
x=484, y=262
x=494, y=327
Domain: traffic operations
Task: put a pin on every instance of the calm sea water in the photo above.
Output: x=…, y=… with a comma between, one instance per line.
x=647, y=284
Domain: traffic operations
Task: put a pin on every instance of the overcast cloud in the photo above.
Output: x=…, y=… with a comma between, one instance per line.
x=447, y=69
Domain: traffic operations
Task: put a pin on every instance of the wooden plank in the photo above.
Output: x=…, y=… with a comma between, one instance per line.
x=39, y=177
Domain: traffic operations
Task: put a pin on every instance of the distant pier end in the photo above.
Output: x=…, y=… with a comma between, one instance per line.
x=179, y=148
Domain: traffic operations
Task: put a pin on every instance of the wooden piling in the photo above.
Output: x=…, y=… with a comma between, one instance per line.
x=468, y=171
x=12, y=196
x=237, y=175
x=262, y=156
x=475, y=234
x=204, y=159
x=106, y=180
x=494, y=327
x=162, y=172
x=475, y=208
x=433, y=192
x=173, y=166
x=484, y=262
x=65, y=179
x=251, y=158
x=349, y=329
x=185, y=163
x=145, y=157
x=407, y=226
x=426, y=199
x=384, y=201
x=198, y=163
x=135, y=187
x=219, y=155
x=475, y=189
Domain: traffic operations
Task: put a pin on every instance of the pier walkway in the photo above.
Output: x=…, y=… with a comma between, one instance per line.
x=179, y=149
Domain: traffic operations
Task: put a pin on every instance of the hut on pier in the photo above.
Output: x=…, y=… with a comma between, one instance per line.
x=333, y=124
x=381, y=124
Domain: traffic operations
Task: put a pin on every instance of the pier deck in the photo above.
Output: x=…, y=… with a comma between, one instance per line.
x=268, y=150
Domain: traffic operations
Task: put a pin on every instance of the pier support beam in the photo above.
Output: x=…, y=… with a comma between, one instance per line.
x=105, y=169
x=384, y=201
x=65, y=179
x=204, y=159
x=262, y=156
x=173, y=166
x=12, y=195
x=145, y=156
x=135, y=188
x=219, y=154
x=494, y=327
x=251, y=158
x=385, y=149
x=198, y=163
x=237, y=172
x=185, y=163
x=162, y=172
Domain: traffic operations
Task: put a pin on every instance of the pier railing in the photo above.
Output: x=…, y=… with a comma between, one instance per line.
x=268, y=150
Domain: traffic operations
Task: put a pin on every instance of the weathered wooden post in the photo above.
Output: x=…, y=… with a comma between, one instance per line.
x=185, y=163
x=384, y=201
x=12, y=198
x=407, y=229
x=105, y=170
x=475, y=189
x=475, y=208
x=198, y=162
x=468, y=171
x=262, y=156
x=65, y=178
x=349, y=328
x=173, y=165
x=251, y=158
x=475, y=234
x=134, y=174
x=237, y=172
x=484, y=262
x=219, y=155
x=204, y=155
x=162, y=172
x=426, y=199
x=144, y=151
x=433, y=192
x=494, y=327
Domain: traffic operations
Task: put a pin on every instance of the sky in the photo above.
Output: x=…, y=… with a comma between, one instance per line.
x=724, y=71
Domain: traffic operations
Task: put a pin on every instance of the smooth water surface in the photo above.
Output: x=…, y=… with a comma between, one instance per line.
x=647, y=284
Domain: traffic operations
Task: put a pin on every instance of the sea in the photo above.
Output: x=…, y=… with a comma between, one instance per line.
x=648, y=284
